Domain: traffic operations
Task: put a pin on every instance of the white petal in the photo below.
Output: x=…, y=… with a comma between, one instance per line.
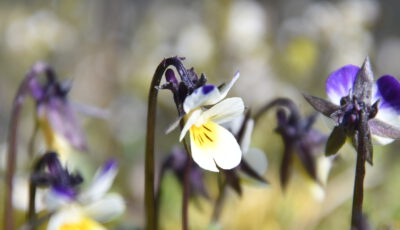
x=208, y=95
x=66, y=215
x=54, y=200
x=377, y=140
x=72, y=215
x=200, y=96
x=173, y=125
x=223, y=91
x=193, y=118
x=212, y=144
x=107, y=208
x=257, y=159
x=225, y=111
x=101, y=182
x=246, y=140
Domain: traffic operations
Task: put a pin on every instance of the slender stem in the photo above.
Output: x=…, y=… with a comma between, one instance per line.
x=358, y=194
x=19, y=99
x=150, y=223
x=32, y=199
x=279, y=102
x=220, y=200
x=186, y=193
x=39, y=68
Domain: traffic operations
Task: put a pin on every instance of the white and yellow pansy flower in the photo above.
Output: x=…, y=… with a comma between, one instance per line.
x=88, y=209
x=212, y=146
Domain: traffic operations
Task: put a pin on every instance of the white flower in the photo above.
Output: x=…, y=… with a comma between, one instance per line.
x=211, y=144
x=89, y=208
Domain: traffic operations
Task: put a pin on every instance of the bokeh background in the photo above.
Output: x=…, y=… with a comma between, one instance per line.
x=110, y=50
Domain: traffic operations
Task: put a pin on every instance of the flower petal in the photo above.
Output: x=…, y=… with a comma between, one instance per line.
x=387, y=90
x=101, y=182
x=212, y=144
x=225, y=111
x=340, y=82
x=63, y=120
x=208, y=95
x=72, y=218
x=200, y=96
x=257, y=159
x=193, y=118
x=58, y=197
x=223, y=90
x=246, y=140
x=107, y=208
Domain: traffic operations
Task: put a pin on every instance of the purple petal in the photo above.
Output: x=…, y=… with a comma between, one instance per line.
x=170, y=77
x=388, y=91
x=36, y=89
x=63, y=121
x=64, y=192
x=111, y=164
x=340, y=82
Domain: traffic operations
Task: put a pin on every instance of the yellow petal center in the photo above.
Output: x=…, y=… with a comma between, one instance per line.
x=83, y=224
x=205, y=135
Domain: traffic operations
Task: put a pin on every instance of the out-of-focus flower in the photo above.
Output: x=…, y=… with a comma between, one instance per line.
x=211, y=144
x=177, y=162
x=54, y=113
x=74, y=208
x=298, y=138
x=355, y=99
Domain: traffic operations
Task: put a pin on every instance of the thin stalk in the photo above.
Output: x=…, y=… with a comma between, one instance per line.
x=278, y=102
x=150, y=223
x=220, y=201
x=358, y=194
x=32, y=198
x=8, y=215
x=39, y=68
x=186, y=193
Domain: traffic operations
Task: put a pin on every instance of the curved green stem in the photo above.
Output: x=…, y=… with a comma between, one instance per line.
x=150, y=223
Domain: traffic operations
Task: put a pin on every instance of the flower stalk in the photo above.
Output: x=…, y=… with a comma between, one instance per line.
x=18, y=103
x=150, y=207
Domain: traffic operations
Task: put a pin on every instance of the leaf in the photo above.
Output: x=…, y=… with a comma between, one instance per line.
x=321, y=105
x=335, y=141
x=383, y=129
x=362, y=88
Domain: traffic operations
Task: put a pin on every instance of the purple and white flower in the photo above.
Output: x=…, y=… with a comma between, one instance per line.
x=211, y=144
x=385, y=91
x=87, y=208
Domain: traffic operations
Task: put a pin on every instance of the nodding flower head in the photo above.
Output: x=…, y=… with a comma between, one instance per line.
x=54, y=112
x=360, y=105
x=212, y=146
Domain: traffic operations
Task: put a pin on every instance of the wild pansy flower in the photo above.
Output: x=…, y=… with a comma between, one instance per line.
x=361, y=108
x=72, y=207
x=355, y=98
x=298, y=136
x=212, y=146
x=55, y=115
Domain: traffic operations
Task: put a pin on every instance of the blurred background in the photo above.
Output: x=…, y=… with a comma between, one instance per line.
x=110, y=50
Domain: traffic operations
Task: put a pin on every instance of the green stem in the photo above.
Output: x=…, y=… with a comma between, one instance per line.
x=150, y=223
x=358, y=194
x=8, y=215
